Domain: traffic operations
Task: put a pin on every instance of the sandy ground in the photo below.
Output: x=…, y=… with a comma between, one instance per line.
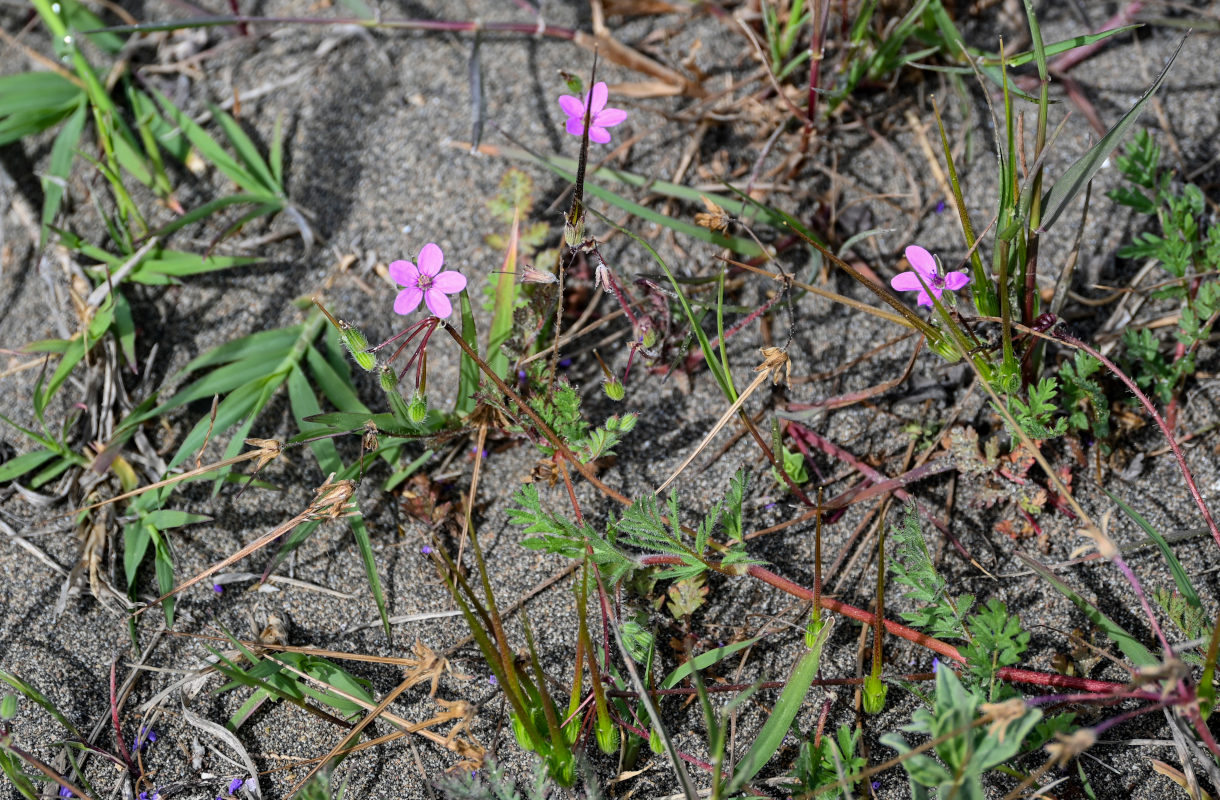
x=375, y=124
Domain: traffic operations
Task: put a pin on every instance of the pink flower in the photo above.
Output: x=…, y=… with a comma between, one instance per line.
x=600, y=117
x=426, y=282
x=925, y=265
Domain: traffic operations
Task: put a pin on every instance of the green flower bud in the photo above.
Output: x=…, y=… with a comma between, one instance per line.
x=358, y=346
x=649, y=339
x=874, y=694
x=813, y=629
x=417, y=411
x=388, y=378
x=946, y=348
x=613, y=389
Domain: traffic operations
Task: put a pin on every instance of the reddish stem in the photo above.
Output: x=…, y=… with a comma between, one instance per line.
x=1064, y=336
x=1011, y=674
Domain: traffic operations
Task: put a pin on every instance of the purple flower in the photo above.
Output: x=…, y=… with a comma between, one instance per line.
x=935, y=664
x=600, y=117
x=234, y=785
x=940, y=207
x=64, y=791
x=925, y=266
x=426, y=550
x=491, y=679
x=426, y=282
x=216, y=587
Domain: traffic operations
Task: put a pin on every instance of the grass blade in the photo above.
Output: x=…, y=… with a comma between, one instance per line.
x=1078, y=175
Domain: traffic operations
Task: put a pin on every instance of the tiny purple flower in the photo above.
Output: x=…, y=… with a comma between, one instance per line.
x=935, y=665
x=940, y=207
x=426, y=550
x=251, y=786
x=426, y=282
x=876, y=785
x=234, y=785
x=216, y=587
x=600, y=117
x=491, y=679
x=64, y=791
x=925, y=265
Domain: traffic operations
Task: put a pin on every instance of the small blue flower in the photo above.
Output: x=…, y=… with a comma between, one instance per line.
x=491, y=679
x=216, y=587
x=64, y=791
x=234, y=785
x=940, y=207
x=426, y=550
x=935, y=665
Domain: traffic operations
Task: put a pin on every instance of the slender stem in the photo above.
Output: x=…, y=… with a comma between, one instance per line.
x=1064, y=336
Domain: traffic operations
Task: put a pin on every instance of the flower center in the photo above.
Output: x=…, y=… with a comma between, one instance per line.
x=938, y=281
x=424, y=282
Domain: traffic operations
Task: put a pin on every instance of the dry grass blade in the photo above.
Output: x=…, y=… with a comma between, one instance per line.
x=331, y=503
x=228, y=737
x=776, y=361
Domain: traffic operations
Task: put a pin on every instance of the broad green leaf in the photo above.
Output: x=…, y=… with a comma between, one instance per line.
x=166, y=519
x=704, y=661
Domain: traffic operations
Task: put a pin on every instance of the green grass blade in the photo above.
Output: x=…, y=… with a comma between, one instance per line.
x=63, y=153
x=16, y=467
x=38, y=697
x=246, y=150
x=1078, y=175
x=740, y=245
x=704, y=661
x=468, y=371
x=790, y=701
x=1131, y=647
x=1185, y=587
x=210, y=149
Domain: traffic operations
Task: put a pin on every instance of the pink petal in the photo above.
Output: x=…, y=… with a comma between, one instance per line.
x=449, y=282
x=906, y=282
x=924, y=300
x=609, y=117
x=430, y=259
x=576, y=126
x=408, y=300
x=599, y=135
x=956, y=280
x=922, y=260
x=571, y=106
x=601, y=93
x=404, y=273
x=437, y=303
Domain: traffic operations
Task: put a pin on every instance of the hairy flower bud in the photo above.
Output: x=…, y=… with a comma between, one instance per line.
x=358, y=346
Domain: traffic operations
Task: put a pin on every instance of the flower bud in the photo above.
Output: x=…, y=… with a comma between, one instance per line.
x=358, y=346
x=613, y=389
x=874, y=694
x=521, y=735
x=388, y=379
x=417, y=411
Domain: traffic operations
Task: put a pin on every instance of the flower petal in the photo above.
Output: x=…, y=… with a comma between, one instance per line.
x=572, y=106
x=922, y=260
x=956, y=280
x=449, y=282
x=599, y=135
x=609, y=117
x=924, y=299
x=575, y=126
x=430, y=259
x=600, y=94
x=438, y=304
x=404, y=273
x=408, y=300
x=906, y=282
